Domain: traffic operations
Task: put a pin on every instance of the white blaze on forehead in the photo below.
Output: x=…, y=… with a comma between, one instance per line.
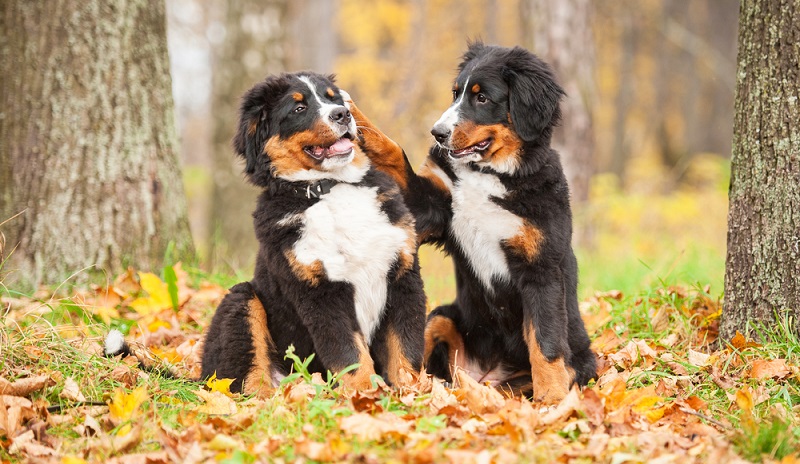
x=450, y=117
x=325, y=109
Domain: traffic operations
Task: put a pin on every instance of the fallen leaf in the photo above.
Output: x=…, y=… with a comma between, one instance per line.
x=71, y=391
x=481, y=399
x=125, y=406
x=774, y=369
x=158, y=298
x=698, y=359
x=367, y=427
x=24, y=387
x=215, y=403
x=219, y=385
x=740, y=342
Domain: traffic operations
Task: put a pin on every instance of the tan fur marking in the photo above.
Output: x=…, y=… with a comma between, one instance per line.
x=329, y=92
x=476, y=88
x=360, y=378
x=506, y=145
x=287, y=154
x=259, y=378
x=551, y=379
x=251, y=128
x=527, y=242
x=399, y=368
x=309, y=273
x=442, y=329
x=297, y=96
x=385, y=153
x=426, y=171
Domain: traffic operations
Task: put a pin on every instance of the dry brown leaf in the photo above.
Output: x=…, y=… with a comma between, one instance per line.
x=26, y=443
x=24, y=387
x=14, y=411
x=740, y=342
x=71, y=391
x=774, y=369
x=481, y=399
x=441, y=397
x=315, y=450
x=367, y=427
x=698, y=359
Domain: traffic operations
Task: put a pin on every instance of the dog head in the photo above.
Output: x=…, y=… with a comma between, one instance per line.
x=502, y=98
x=297, y=127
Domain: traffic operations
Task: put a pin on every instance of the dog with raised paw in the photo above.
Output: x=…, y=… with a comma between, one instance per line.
x=492, y=193
x=336, y=273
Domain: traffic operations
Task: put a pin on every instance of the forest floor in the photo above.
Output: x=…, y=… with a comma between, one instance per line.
x=669, y=390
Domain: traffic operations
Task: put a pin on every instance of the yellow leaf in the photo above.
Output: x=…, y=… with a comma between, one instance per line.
x=645, y=403
x=215, y=403
x=124, y=406
x=219, y=385
x=156, y=324
x=72, y=460
x=169, y=355
x=158, y=299
x=744, y=400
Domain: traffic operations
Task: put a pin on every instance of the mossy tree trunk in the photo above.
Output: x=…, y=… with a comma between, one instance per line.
x=88, y=147
x=762, y=276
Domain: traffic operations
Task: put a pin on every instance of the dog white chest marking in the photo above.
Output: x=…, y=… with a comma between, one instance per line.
x=480, y=225
x=347, y=231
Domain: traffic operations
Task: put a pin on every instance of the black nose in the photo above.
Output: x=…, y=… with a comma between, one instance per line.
x=440, y=133
x=340, y=115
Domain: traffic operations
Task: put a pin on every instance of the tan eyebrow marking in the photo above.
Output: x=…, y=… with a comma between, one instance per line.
x=329, y=92
x=476, y=88
x=297, y=96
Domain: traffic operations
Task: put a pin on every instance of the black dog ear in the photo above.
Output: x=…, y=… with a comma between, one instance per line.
x=254, y=126
x=534, y=94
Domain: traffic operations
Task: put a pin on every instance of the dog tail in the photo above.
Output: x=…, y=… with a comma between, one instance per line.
x=116, y=345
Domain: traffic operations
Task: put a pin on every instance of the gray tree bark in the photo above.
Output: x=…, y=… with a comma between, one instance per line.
x=88, y=147
x=561, y=34
x=252, y=47
x=762, y=272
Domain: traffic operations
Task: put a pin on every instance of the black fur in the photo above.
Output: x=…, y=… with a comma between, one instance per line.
x=318, y=313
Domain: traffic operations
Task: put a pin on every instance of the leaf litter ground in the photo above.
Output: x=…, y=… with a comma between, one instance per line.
x=668, y=390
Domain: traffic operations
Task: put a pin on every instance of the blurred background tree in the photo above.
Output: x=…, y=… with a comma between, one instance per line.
x=90, y=174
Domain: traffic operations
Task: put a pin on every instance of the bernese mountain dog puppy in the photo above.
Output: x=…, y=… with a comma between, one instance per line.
x=336, y=273
x=492, y=193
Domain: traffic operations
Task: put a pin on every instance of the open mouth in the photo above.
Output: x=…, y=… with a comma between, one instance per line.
x=470, y=150
x=341, y=147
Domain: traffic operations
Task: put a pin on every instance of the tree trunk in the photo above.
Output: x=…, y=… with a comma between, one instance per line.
x=88, y=147
x=561, y=34
x=252, y=47
x=762, y=274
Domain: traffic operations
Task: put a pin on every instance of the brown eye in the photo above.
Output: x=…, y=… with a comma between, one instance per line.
x=481, y=98
x=299, y=109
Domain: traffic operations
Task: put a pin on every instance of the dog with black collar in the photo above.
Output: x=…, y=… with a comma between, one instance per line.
x=337, y=273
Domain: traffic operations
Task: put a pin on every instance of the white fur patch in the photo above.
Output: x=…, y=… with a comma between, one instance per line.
x=451, y=116
x=347, y=231
x=480, y=225
x=114, y=342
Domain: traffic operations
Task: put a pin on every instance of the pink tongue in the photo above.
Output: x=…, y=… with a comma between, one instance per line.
x=343, y=145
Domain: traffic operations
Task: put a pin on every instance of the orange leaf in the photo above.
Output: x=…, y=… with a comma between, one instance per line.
x=775, y=369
